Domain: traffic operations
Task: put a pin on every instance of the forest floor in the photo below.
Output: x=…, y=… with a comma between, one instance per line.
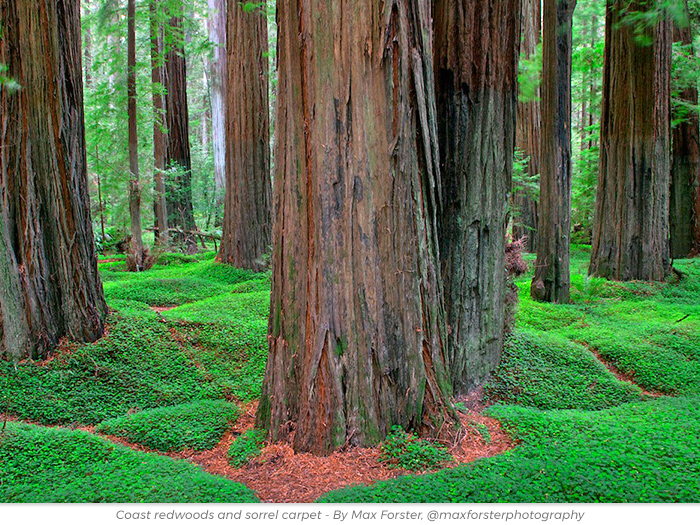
x=594, y=401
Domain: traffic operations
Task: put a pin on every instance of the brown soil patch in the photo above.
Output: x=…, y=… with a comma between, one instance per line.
x=160, y=309
x=102, y=261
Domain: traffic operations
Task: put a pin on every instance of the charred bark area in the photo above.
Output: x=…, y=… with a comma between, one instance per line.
x=49, y=285
x=356, y=328
x=552, y=281
x=476, y=50
x=178, y=161
x=528, y=131
x=247, y=228
x=685, y=169
x=631, y=230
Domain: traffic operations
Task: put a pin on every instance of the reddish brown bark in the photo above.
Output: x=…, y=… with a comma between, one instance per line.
x=476, y=56
x=218, y=72
x=356, y=328
x=247, y=227
x=631, y=231
x=552, y=280
x=528, y=133
x=160, y=210
x=685, y=168
x=49, y=285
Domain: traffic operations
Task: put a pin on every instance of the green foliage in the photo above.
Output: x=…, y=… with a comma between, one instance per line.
x=640, y=452
x=246, y=447
x=530, y=76
x=64, y=466
x=406, y=451
x=198, y=425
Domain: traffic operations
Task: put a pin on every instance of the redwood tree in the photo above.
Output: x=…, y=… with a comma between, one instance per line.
x=552, y=281
x=528, y=134
x=49, y=285
x=356, y=328
x=160, y=210
x=476, y=50
x=248, y=204
x=685, y=166
x=178, y=159
x=630, y=236
x=217, y=24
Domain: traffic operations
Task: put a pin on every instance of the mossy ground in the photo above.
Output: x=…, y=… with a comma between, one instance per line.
x=585, y=434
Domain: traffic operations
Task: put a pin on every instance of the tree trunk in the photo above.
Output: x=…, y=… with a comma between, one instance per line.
x=631, y=230
x=159, y=201
x=528, y=134
x=178, y=159
x=218, y=67
x=552, y=280
x=248, y=205
x=685, y=168
x=49, y=285
x=357, y=326
x=134, y=189
x=476, y=50
x=87, y=46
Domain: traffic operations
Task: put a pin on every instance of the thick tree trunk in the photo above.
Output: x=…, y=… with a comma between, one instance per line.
x=49, y=285
x=552, y=280
x=528, y=134
x=476, y=50
x=178, y=159
x=134, y=189
x=218, y=67
x=160, y=210
x=631, y=231
x=357, y=326
x=685, y=169
x=247, y=231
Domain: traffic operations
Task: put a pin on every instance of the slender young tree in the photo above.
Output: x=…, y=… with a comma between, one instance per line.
x=528, y=134
x=178, y=160
x=631, y=231
x=137, y=251
x=49, y=285
x=159, y=202
x=552, y=281
x=247, y=225
x=356, y=327
x=476, y=50
x=217, y=24
x=685, y=165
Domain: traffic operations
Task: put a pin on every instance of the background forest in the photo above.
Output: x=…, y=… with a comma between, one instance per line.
x=424, y=251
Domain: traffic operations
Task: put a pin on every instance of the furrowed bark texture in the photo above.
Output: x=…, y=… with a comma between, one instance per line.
x=631, y=231
x=528, y=131
x=476, y=50
x=217, y=36
x=49, y=286
x=177, y=153
x=247, y=228
x=685, y=170
x=551, y=282
x=160, y=208
x=134, y=188
x=356, y=327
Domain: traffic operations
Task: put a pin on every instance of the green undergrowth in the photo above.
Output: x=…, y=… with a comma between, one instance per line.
x=198, y=426
x=59, y=465
x=638, y=452
x=406, y=451
x=246, y=447
x=548, y=371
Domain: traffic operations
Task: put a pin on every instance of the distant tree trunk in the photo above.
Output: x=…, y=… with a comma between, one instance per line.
x=177, y=152
x=528, y=135
x=134, y=189
x=248, y=205
x=87, y=46
x=685, y=170
x=476, y=50
x=552, y=280
x=357, y=327
x=49, y=285
x=159, y=202
x=630, y=236
x=218, y=68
